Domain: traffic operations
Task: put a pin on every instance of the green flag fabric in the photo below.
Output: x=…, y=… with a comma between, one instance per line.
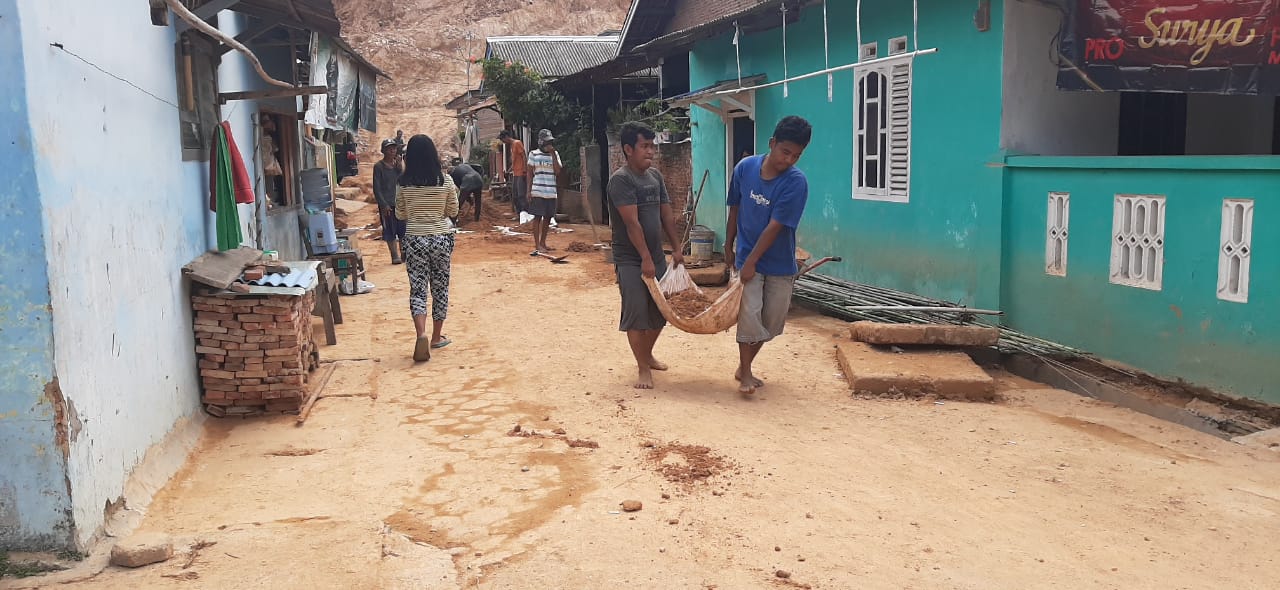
x=226, y=216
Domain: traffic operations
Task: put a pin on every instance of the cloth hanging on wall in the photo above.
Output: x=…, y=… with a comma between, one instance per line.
x=236, y=174
x=226, y=218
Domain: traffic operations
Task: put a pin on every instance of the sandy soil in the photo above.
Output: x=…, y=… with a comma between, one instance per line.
x=410, y=476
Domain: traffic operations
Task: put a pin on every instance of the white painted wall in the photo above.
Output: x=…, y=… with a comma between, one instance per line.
x=1039, y=119
x=122, y=214
x=1219, y=124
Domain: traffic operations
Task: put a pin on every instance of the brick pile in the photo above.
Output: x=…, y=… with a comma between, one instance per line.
x=255, y=352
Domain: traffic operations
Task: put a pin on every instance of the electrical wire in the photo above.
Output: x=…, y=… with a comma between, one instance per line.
x=100, y=69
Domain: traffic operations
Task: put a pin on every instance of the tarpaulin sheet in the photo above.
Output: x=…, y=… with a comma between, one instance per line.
x=368, y=109
x=334, y=69
x=1222, y=47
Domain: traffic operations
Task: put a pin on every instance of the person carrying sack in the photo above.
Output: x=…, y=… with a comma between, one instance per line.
x=766, y=200
x=641, y=208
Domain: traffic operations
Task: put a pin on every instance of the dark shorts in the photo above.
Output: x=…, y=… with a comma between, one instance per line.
x=639, y=312
x=540, y=207
x=392, y=229
x=520, y=193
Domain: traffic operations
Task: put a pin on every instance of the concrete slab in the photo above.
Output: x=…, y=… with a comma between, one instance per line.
x=946, y=374
x=1266, y=439
x=924, y=334
x=711, y=276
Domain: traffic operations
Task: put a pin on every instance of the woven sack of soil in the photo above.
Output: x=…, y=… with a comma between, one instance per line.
x=720, y=316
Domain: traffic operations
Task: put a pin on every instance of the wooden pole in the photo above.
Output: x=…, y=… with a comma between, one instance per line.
x=315, y=395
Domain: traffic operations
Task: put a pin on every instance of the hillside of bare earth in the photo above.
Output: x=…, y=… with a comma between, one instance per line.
x=423, y=46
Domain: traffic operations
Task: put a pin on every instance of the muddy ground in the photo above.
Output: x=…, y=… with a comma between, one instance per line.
x=413, y=476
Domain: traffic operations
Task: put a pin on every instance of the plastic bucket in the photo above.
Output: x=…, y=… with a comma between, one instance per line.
x=701, y=241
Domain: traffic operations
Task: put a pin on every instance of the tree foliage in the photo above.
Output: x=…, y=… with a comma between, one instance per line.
x=525, y=98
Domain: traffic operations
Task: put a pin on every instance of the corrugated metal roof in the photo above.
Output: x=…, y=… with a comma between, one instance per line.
x=554, y=56
x=709, y=92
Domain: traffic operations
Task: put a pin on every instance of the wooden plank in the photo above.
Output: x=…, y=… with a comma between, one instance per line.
x=315, y=395
x=220, y=269
x=159, y=13
x=293, y=8
x=226, y=97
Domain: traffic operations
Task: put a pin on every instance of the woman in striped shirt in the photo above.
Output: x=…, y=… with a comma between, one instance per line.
x=426, y=199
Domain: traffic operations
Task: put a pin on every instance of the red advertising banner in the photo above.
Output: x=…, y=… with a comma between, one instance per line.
x=1222, y=46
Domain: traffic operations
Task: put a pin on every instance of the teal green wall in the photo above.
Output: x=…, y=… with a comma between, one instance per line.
x=945, y=242
x=1182, y=331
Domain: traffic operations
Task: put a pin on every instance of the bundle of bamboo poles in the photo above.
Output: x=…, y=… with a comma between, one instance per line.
x=855, y=301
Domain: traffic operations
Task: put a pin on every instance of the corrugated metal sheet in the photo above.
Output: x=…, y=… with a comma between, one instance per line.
x=303, y=275
x=554, y=56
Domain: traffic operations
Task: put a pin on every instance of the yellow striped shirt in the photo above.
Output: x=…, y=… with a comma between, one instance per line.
x=427, y=209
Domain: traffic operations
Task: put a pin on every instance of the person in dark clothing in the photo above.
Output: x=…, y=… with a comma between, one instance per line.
x=386, y=175
x=470, y=184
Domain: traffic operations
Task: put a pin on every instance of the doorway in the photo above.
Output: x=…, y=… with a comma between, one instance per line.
x=742, y=138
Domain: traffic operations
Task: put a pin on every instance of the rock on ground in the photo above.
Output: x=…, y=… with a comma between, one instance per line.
x=142, y=549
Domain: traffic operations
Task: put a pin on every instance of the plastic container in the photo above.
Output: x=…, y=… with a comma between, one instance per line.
x=321, y=233
x=701, y=241
x=317, y=193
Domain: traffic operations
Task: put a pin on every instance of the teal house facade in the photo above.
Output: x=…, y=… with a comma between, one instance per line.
x=946, y=161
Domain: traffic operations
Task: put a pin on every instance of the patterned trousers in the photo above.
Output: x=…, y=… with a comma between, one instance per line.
x=427, y=260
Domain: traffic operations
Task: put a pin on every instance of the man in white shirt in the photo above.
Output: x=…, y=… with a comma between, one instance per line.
x=544, y=172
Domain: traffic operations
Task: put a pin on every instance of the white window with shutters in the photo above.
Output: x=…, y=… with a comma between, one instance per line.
x=882, y=131
x=1055, y=247
x=1137, y=241
x=1235, y=250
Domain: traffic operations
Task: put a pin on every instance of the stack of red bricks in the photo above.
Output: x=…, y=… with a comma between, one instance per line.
x=255, y=352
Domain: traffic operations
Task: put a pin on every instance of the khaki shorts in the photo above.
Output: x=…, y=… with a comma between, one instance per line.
x=766, y=300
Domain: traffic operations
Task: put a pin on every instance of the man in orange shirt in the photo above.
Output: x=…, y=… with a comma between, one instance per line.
x=518, y=173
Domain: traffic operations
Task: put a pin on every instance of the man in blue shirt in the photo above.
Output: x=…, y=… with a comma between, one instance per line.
x=766, y=201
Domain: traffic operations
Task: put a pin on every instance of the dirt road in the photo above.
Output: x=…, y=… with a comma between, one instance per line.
x=408, y=476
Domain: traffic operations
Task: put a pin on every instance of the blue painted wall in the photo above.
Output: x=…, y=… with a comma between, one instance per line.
x=945, y=242
x=35, y=503
x=122, y=212
x=1181, y=331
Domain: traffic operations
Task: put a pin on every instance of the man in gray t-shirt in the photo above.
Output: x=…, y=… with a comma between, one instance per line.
x=640, y=211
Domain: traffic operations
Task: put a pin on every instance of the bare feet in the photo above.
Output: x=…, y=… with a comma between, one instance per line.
x=645, y=380
x=657, y=365
x=754, y=382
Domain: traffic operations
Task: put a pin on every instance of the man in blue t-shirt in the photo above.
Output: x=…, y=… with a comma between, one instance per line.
x=766, y=201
